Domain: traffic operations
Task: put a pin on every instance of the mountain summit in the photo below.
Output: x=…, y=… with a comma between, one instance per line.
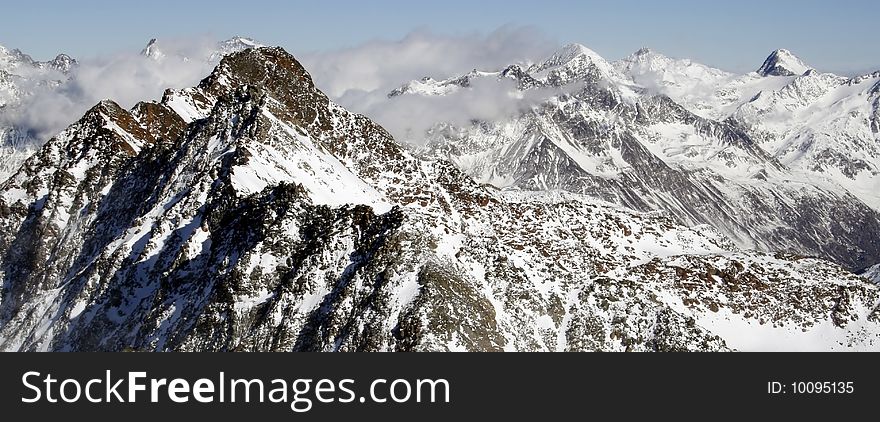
x=152, y=50
x=571, y=62
x=783, y=63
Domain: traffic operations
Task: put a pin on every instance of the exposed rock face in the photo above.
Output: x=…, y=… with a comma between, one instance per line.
x=252, y=213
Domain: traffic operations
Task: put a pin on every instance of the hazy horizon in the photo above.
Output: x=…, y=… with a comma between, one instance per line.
x=735, y=38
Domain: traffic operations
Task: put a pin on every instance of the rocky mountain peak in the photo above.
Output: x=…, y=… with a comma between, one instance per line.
x=152, y=50
x=5, y=57
x=266, y=66
x=269, y=69
x=568, y=54
x=115, y=125
x=643, y=59
x=783, y=63
x=63, y=63
x=11, y=60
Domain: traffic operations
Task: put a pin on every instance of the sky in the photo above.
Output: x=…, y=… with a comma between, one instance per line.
x=837, y=36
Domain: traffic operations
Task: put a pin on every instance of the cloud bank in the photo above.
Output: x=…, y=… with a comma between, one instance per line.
x=126, y=78
x=358, y=78
x=385, y=65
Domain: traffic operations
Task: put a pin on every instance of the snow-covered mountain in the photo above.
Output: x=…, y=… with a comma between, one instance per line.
x=252, y=213
x=21, y=76
x=689, y=83
x=824, y=126
x=617, y=132
x=209, y=52
x=783, y=63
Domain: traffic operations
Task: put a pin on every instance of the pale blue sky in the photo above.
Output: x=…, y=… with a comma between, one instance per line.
x=734, y=35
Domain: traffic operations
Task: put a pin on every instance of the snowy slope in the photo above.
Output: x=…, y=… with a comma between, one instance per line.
x=20, y=74
x=824, y=126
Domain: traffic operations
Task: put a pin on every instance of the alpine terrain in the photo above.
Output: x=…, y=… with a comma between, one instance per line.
x=785, y=158
x=251, y=212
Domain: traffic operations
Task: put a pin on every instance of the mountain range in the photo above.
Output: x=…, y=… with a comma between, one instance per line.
x=781, y=159
x=252, y=212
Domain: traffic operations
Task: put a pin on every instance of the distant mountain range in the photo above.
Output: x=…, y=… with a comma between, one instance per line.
x=784, y=158
x=21, y=76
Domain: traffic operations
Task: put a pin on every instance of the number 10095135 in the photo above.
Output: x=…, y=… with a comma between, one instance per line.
x=811, y=387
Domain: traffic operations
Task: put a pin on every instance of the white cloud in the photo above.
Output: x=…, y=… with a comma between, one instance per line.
x=360, y=78
x=126, y=78
x=385, y=65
